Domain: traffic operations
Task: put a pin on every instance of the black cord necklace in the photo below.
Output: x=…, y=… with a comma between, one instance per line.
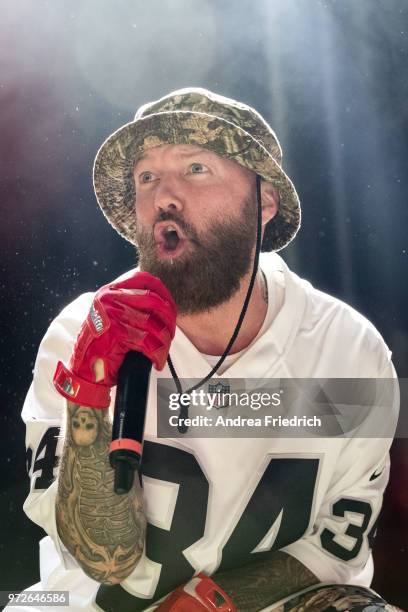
x=184, y=409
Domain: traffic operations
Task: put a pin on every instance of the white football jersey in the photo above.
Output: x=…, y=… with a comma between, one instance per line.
x=218, y=503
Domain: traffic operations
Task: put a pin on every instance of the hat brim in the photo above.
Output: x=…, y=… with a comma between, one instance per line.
x=115, y=160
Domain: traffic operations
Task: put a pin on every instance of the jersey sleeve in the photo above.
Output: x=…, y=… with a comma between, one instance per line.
x=44, y=416
x=338, y=550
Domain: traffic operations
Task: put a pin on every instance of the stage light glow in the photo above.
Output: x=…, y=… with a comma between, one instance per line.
x=126, y=49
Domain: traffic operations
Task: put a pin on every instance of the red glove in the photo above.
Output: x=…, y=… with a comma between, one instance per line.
x=201, y=594
x=136, y=314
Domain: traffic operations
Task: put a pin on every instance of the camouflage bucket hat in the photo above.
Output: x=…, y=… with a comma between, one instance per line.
x=194, y=116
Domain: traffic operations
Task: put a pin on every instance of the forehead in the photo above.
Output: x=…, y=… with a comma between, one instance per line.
x=178, y=151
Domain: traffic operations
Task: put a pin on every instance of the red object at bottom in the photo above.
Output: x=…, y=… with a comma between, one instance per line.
x=199, y=595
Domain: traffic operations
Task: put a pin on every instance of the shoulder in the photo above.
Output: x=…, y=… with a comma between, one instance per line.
x=66, y=324
x=42, y=400
x=55, y=346
x=43, y=404
x=351, y=331
x=333, y=329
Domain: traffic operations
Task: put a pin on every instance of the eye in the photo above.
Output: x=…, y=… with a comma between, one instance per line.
x=146, y=177
x=197, y=168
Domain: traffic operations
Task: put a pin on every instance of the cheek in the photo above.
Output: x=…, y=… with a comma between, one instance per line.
x=84, y=429
x=213, y=203
x=143, y=211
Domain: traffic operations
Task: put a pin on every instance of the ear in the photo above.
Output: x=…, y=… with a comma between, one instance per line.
x=270, y=201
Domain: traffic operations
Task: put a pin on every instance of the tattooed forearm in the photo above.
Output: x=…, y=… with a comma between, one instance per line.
x=255, y=586
x=102, y=530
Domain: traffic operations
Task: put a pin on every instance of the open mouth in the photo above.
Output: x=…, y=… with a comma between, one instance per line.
x=169, y=239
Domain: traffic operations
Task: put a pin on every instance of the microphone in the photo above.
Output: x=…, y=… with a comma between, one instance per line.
x=128, y=421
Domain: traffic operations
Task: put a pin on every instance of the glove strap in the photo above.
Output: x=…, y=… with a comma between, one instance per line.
x=80, y=391
x=215, y=597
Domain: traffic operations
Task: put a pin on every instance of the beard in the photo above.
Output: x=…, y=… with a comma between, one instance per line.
x=209, y=272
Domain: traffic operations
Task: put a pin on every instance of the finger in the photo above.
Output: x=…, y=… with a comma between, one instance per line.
x=155, y=347
x=135, y=308
x=139, y=338
x=146, y=281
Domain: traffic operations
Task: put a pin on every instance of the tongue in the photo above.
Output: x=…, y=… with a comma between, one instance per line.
x=172, y=241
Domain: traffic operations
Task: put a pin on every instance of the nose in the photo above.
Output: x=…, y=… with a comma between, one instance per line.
x=168, y=196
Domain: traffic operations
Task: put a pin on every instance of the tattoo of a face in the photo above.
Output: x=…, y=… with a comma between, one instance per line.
x=102, y=530
x=84, y=426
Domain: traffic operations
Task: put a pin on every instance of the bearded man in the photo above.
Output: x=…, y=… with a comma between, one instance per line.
x=196, y=183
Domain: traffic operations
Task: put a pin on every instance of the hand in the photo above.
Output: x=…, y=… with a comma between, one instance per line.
x=201, y=594
x=135, y=314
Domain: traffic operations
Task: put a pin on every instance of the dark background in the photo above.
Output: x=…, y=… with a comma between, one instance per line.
x=331, y=78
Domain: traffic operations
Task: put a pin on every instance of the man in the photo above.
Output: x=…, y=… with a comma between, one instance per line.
x=196, y=183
